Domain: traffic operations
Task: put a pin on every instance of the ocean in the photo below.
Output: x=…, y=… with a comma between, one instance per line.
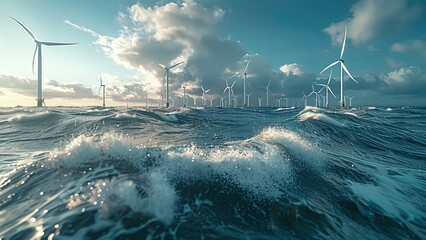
x=213, y=173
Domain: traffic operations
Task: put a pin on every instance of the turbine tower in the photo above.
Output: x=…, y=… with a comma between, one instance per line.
x=166, y=75
x=327, y=89
x=342, y=67
x=40, y=99
x=260, y=101
x=102, y=86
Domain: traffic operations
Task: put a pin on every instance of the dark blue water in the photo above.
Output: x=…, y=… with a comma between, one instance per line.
x=94, y=173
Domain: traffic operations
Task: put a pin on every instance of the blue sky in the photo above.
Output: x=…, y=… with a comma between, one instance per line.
x=287, y=42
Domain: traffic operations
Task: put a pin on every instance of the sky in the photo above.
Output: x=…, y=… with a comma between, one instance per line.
x=287, y=42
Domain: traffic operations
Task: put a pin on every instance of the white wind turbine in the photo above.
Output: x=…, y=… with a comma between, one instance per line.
x=267, y=93
x=316, y=96
x=342, y=67
x=229, y=88
x=350, y=101
x=222, y=101
x=305, y=97
x=102, y=86
x=244, y=73
x=248, y=99
x=166, y=75
x=203, y=98
x=40, y=99
x=260, y=101
x=327, y=89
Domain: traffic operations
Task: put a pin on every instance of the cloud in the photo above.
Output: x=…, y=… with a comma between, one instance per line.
x=174, y=32
x=292, y=69
x=416, y=46
x=404, y=81
x=51, y=88
x=371, y=18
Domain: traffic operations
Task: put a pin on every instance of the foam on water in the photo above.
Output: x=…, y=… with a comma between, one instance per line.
x=321, y=117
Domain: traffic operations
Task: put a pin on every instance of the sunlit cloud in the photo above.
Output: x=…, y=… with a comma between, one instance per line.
x=372, y=18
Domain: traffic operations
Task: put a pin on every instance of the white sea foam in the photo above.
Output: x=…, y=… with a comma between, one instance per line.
x=169, y=117
x=29, y=116
x=321, y=117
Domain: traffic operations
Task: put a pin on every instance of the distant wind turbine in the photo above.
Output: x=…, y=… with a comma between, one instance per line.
x=316, y=95
x=267, y=93
x=305, y=97
x=327, y=89
x=260, y=101
x=203, y=98
x=342, y=67
x=248, y=99
x=40, y=99
x=166, y=75
x=350, y=101
x=229, y=88
x=102, y=86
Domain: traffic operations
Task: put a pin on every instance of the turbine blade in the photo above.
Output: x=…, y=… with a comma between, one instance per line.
x=322, y=85
x=161, y=65
x=245, y=70
x=100, y=78
x=208, y=90
x=225, y=90
x=202, y=89
x=234, y=75
x=99, y=89
x=329, y=78
x=331, y=91
x=35, y=51
x=321, y=89
x=227, y=83
x=346, y=70
x=344, y=43
x=329, y=66
x=56, y=43
x=26, y=29
x=268, y=84
x=233, y=84
x=176, y=65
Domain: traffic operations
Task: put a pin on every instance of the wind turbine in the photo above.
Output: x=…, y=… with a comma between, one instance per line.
x=40, y=99
x=260, y=101
x=327, y=89
x=102, y=86
x=184, y=97
x=248, y=99
x=222, y=100
x=203, y=99
x=305, y=97
x=229, y=88
x=342, y=67
x=316, y=96
x=350, y=101
x=267, y=93
x=166, y=75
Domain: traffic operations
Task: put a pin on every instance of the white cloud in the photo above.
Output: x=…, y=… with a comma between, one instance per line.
x=292, y=69
x=417, y=46
x=401, y=75
x=372, y=18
